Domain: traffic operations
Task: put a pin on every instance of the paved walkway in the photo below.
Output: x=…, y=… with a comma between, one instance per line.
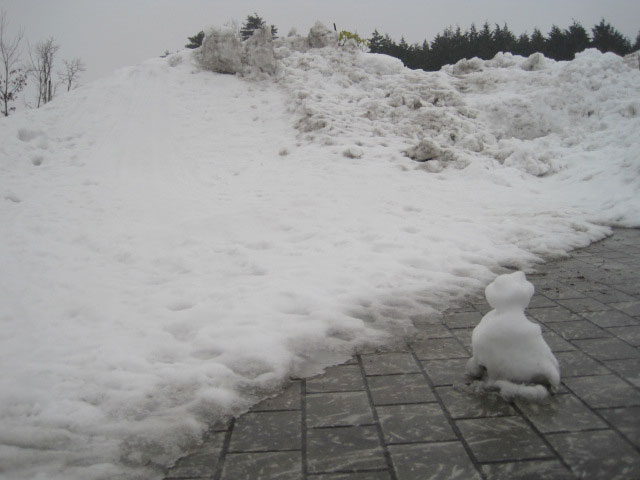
x=408, y=414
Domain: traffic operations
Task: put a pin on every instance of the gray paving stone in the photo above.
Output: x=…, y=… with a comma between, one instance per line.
x=629, y=369
x=389, y=363
x=528, y=470
x=396, y=389
x=563, y=413
x=630, y=334
x=607, y=348
x=421, y=422
x=344, y=449
x=337, y=379
x=446, y=372
x=581, y=305
x=463, y=319
x=558, y=291
x=369, y=475
x=434, y=331
x=289, y=399
x=606, y=294
x=577, y=329
x=597, y=454
x=577, y=363
x=464, y=336
x=630, y=308
x=610, y=318
x=556, y=342
x=631, y=288
x=338, y=409
x=539, y=301
x=261, y=431
x=465, y=403
x=604, y=391
x=553, y=314
x=502, y=438
x=437, y=348
x=626, y=420
x=432, y=461
x=200, y=464
x=263, y=466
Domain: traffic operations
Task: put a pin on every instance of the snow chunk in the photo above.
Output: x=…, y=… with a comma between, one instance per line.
x=508, y=349
x=379, y=64
x=320, y=36
x=258, y=51
x=221, y=51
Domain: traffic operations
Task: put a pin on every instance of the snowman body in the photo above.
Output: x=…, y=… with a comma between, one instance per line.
x=507, y=347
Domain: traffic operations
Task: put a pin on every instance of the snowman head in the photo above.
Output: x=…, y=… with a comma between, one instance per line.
x=509, y=291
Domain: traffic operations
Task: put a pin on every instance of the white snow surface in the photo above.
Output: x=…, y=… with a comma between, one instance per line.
x=509, y=351
x=176, y=243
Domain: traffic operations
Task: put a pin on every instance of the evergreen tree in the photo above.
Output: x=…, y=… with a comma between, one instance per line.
x=486, y=48
x=503, y=39
x=196, y=40
x=608, y=39
x=254, y=22
x=636, y=46
x=376, y=42
x=537, y=42
x=523, y=45
x=556, y=46
x=577, y=38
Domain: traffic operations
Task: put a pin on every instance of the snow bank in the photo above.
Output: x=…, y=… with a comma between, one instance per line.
x=164, y=262
x=508, y=349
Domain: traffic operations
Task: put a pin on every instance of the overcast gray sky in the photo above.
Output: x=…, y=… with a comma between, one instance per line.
x=108, y=34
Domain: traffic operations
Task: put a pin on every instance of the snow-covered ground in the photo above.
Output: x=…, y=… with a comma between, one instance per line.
x=176, y=243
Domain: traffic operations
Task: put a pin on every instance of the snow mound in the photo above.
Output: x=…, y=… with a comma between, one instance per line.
x=168, y=259
x=508, y=349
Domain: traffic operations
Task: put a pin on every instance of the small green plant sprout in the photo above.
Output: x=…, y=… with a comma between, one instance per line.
x=361, y=43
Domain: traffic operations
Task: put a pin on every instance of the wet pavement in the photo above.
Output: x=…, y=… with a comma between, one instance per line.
x=407, y=414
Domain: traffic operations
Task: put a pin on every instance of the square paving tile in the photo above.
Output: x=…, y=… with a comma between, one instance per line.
x=528, y=470
x=563, y=413
x=597, y=454
x=627, y=420
x=396, y=389
x=577, y=363
x=260, y=431
x=609, y=295
x=463, y=319
x=389, y=363
x=629, y=369
x=464, y=336
x=539, y=301
x=577, y=329
x=553, y=314
x=446, y=372
x=370, y=475
x=336, y=409
x=414, y=423
x=580, y=305
x=556, y=342
x=337, y=379
x=263, y=466
x=346, y=448
x=604, y=391
x=433, y=331
x=432, y=461
x=610, y=318
x=630, y=308
x=558, y=291
x=630, y=334
x=438, y=348
x=201, y=464
x=607, y=348
x=289, y=399
x=464, y=403
x=502, y=438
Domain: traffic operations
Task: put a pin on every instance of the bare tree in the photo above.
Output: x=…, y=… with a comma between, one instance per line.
x=12, y=77
x=72, y=70
x=42, y=57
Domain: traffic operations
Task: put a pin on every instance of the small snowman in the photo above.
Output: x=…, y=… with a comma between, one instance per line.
x=509, y=353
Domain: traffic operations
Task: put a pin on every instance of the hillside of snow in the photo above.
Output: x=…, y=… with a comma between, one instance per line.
x=176, y=243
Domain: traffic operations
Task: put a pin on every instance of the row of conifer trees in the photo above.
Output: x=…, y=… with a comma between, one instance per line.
x=453, y=44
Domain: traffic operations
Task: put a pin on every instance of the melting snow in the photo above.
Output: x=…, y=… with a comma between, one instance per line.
x=176, y=243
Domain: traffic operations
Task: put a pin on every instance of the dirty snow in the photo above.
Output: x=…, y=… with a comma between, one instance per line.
x=176, y=243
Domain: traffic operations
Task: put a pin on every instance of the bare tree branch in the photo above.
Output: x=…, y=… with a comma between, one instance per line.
x=12, y=77
x=41, y=68
x=72, y=70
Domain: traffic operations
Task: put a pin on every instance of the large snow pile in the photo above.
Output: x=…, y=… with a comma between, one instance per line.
x=176, y=243
x=509, y=352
